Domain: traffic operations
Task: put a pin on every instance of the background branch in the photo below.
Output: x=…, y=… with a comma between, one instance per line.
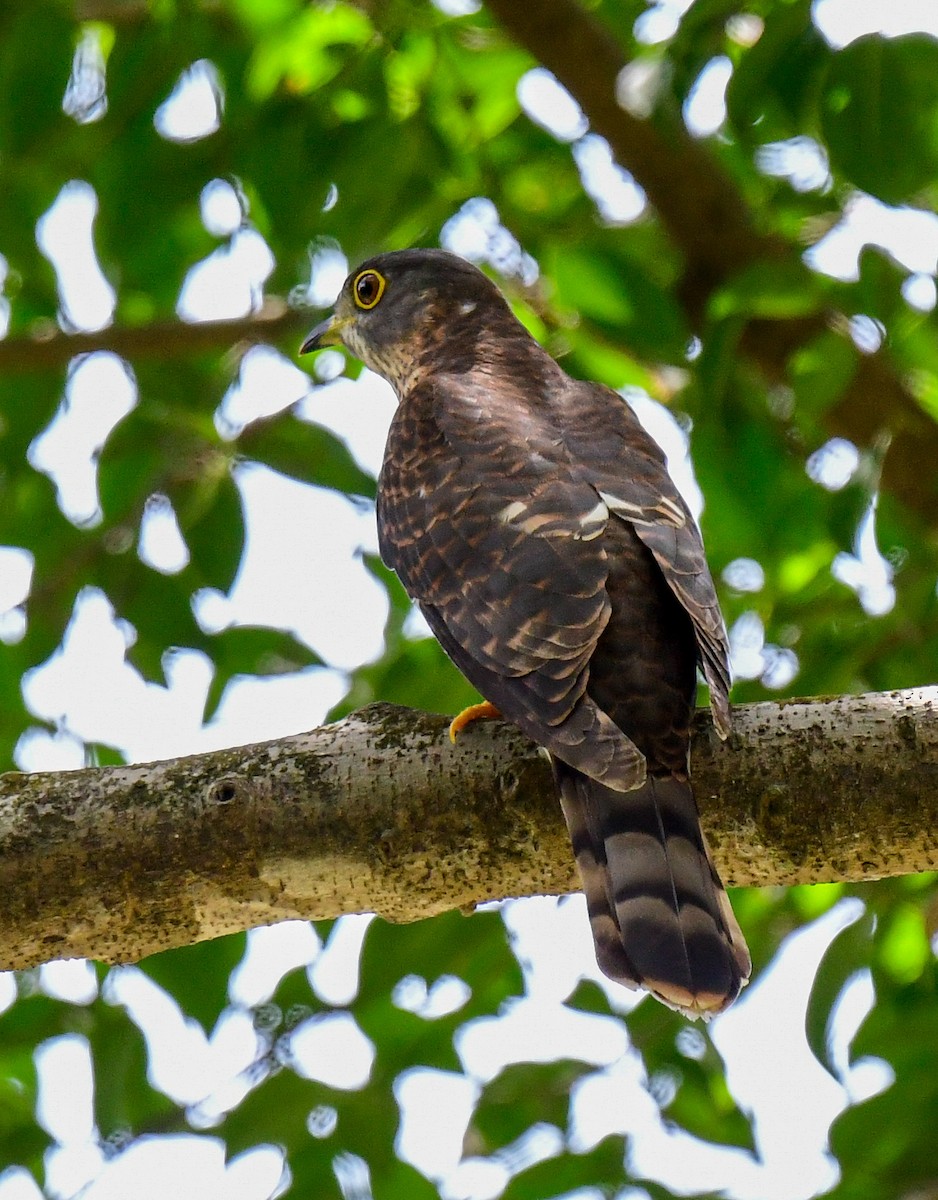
x=709, y=221
x=380, y=813
x=159, y=339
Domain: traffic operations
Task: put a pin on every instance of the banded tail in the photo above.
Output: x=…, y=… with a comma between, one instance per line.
x=660, y=916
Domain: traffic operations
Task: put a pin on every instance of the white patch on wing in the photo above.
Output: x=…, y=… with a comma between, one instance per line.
x=593, y=523
x=511, y=511
x=665, y=510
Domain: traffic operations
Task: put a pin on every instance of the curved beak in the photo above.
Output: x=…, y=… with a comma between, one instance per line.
x=326, y=333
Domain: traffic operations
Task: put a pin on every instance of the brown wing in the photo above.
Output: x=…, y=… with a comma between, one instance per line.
x=627, y=469
x=500, y=544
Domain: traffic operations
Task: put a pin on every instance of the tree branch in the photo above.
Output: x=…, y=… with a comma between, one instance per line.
x=380, y=813
x=160, y=339
x=710, y=222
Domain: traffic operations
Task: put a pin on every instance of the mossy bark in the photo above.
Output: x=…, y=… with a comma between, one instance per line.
x=380, y=813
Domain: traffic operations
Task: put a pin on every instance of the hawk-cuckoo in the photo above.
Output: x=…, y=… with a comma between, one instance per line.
x=533, y=520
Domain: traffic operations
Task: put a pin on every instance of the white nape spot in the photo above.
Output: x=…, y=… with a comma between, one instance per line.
x=800, y=160
x=744, y=575
x=194, y=107
x=550, y=105
x=64, y=234
x=834, y=464
x=919, y=292
x=612, y=189
x=511, y=511
x=223, y=208
x=705, y=106
x=467, y=307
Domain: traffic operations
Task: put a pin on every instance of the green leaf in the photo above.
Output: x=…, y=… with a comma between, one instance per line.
x=211, y=520
x=880, y=114
x=520, y=1096
x=845, y=957
x=253, y=650
x=773, y=291
x=197, y=976
x=603, y=1167
x=306, y=452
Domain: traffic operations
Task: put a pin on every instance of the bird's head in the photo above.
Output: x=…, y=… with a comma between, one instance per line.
x=400, y=310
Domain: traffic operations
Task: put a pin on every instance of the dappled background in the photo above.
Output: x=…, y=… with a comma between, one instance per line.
x=723, y=209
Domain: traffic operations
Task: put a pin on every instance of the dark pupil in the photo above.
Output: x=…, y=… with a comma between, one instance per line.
x=367, y=289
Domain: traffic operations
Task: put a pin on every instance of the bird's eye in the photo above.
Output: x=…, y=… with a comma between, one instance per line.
x=368, y=289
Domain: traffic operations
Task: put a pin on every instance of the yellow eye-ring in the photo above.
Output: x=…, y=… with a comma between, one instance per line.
x=368, y=289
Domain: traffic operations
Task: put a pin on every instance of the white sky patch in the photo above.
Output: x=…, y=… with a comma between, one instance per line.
x=99, y=392
x=334, y=1050
x=222, y=208
x=744, y=575
x=70, y=979
x=866, y=571
x=328, y=268
x=16, y=572
x=334, y=974
x=660, y=21
x=800, y=160
x=359, y=411
x=834, y=464
x=843, y=21
x=272, y=951
x=306, y=575
x=910, y=235
x=548, y=103
x=919, y=292
x=705, y=106
x=161, y=544
x=228, y=283
x=435, y=1107
x=616, y=194
x=194, y=107
x=267, y=383
x=64, y=234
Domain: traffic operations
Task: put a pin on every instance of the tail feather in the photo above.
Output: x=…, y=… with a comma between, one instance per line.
x=660, y=916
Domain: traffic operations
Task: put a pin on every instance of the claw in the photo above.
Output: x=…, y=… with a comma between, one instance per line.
x=475, y=712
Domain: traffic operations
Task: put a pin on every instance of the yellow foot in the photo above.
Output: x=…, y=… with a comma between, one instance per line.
x=475, y=712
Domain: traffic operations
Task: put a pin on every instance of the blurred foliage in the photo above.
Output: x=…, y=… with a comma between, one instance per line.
x=366, y=128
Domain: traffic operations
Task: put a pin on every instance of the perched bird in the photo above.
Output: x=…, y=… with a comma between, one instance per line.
x=534, y=522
